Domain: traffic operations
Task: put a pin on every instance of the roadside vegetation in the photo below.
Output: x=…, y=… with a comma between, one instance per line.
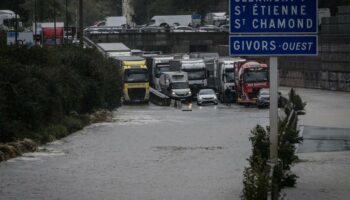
x=262, y=180
x=46, y=94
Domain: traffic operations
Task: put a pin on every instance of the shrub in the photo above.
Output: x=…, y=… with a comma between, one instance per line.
x=40, y=88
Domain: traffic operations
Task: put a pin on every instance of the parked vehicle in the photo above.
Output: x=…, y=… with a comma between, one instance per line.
x=171, y=20
x=113, y=24
x=157, y=65
x=216, y=18
x=7, y=20
x=263, y=98
x=111, y=50
x=221, y=77
x=250, y=78
x=51, y=36
x=195, y=69
x=206, y=96
x=151, y=29
x=175, y=85
x=182, y=29
x=135, y=78
x=209, y=28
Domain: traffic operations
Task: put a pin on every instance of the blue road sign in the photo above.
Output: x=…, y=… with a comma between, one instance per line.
x=273, y=16
x=288, y=45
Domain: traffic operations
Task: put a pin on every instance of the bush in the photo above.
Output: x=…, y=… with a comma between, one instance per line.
x=40, y=88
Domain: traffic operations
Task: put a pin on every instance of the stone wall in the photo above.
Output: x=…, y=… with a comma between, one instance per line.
x=331, y=69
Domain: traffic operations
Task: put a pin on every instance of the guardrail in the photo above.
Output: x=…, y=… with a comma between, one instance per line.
x=159, y=98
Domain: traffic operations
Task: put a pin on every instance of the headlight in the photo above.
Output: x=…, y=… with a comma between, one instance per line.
x=173, y=93
x=189, y=92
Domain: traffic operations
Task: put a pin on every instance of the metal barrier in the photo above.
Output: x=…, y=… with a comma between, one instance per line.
x=159, y=98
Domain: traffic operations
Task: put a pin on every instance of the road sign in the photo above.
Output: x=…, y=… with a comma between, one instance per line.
x=271, y=45
x=273, y=16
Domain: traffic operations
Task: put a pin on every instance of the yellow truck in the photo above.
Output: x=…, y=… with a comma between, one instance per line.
x=135, y=78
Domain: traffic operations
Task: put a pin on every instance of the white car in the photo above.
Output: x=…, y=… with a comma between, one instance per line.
x=205, y=96
x=181, y=29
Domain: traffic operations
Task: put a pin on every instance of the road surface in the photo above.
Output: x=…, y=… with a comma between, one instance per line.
x=153, y=153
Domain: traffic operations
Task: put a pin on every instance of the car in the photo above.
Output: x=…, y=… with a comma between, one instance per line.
x=151, y=29
x=225, y=28
x=209, y=28
x=181, y=29
x=263, y=98
x=206, y=96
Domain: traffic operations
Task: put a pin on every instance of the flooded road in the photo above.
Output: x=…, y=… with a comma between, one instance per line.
x=153, y=153
x=148, y=153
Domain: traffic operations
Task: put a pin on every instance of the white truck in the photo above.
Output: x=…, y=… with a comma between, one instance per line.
x=113, y=50
x=171, y=20
x=216, y=18
x=195, y=69
x=221, y=77
x=175, y=85
x=7, y=19
x=156, y=66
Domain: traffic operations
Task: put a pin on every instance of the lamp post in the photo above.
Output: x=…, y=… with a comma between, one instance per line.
x=66, y=24
x=81, y=22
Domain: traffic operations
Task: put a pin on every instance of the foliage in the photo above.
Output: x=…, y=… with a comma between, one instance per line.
x=41, y=88
x=257, y=177
x=146, y=9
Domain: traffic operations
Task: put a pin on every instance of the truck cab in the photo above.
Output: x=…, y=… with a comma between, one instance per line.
x=157, y=65
x=175, y=85
x=196, y=72
x=225, y=80
x=250, y=78
x=135, y=78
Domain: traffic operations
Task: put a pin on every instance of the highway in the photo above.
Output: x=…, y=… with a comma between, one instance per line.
x=152, y=153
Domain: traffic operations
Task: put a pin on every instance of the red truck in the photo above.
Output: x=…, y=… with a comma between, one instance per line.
x=49, y=36
x=250, y=77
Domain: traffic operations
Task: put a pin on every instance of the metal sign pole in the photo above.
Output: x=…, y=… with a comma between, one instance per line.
x=273, y=110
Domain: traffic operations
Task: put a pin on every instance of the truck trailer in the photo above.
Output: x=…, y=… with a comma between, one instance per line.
x=156, y=66
x=111, y=50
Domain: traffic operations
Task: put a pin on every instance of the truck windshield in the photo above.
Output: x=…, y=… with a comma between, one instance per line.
x=179, y=85
x=256, y=76
x=161, y=68
x=198, y=74
x=136, y=76
x=229, y=75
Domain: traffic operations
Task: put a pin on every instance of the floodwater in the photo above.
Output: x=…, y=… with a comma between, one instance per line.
x=147, y=153
x=153, y=153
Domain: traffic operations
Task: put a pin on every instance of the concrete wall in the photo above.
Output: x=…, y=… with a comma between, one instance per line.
x=167, y=42
x=331, y=69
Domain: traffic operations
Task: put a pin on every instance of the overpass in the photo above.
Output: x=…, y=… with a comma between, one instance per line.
x=168, y=42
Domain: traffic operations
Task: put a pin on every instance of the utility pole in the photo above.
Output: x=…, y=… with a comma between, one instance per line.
x=81, y=22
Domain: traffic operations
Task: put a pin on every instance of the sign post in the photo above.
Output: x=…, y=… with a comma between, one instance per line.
x=273, y=28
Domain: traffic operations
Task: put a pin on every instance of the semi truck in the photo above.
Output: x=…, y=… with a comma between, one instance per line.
x=175, y=85
x=221, y=77
x=250, y=78
x=51, y=37
x=111, y=50
x=135, y=78
x=196, y=71
x=156, y=66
